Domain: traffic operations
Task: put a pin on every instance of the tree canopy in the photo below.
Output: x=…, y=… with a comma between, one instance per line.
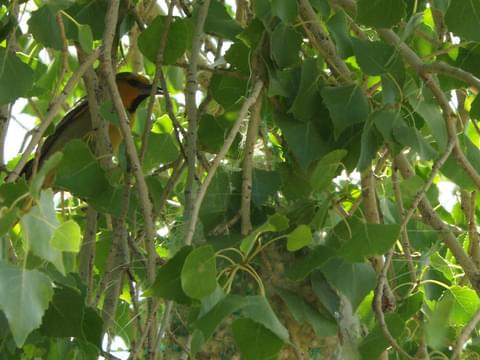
x=283, y=198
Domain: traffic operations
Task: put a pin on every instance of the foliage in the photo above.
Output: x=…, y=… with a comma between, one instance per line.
x=307, y=219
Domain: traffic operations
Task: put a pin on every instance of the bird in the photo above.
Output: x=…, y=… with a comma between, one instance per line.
x=76, y=124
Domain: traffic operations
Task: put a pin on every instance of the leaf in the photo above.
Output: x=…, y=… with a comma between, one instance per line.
x=16, y=78
x=374, y=57
x=227, y=91
x=380, y=13
x=465, y=303
x=24, y=297
x=304, y=140
x=327, y=296
x=44, y=28
x=326, y=169
x=463, y=17
x=177, y=39
x=85, y=38
x=307, y=104
x=38, y=180
x=385, y=121
x=219, y=22
x=67, y=237
x=354, y=281
x=301, y=268
x=285, y=45
x=259, y=310
x=168, y=284
x=370, y=144
x=199, y=272
x=8, y=218
x=286, y=10
x=161, y=149
x=411, y=137
x=372, y=346
x=339, y=28
x=357, y=240
x=347, y=105
x=212, y=132
x=306, y=313
x=299, y=238
x=64, y=316
x=38, y=228
x=254, y=341
x=265, y=185
x=276, y=222
x=207, y=323
x=430, y=112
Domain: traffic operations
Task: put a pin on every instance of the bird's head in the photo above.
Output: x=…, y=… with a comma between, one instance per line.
x=134, y=89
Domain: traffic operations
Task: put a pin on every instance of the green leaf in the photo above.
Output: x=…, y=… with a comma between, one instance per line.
x=347, y=105
x=411, y=137
x=374, y=57
x=465, y=303
x=79, y=171
x=239, y=56
x=199, y=272
x=212, y=132
x=307, y=104
x=306, y=313
x=168, y=284
x=357, y=240
x=259, y=310
x=220, y=23
x=431, y=113
x=372, y=346
x=301, y=268
x=85, y=37
x=24, y=297
x=304, y=140
x=371, y=142
x=64, y=316
x=285, y=45
x=380, y=13
x=38, y=227
x=339, y=28
x=16, y=78
x=254, y=341
x=328, y=297
x=354, y=281
x=385, y=121
x=326, y=169
x=276, y=222
x=208, y=322
x=67, y=237
x=38, y=180
x=286, y=10
x=463, y=17
x=161, y=149
x=7, y=219
x=44, y=28
x=177, y=39
x=299, y=238
x=265, y=185
x=227, y=90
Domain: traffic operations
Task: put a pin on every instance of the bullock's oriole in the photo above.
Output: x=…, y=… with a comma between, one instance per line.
x=77, y=124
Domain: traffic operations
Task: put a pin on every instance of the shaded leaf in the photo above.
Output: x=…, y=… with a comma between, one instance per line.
x=299, y=238
x=24, y=298
x=380, y=13
x=199, y=272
